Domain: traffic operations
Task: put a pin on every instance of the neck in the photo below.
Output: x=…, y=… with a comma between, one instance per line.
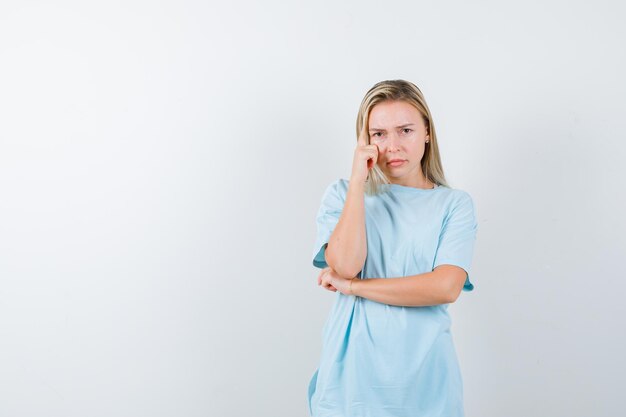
x=421, y=182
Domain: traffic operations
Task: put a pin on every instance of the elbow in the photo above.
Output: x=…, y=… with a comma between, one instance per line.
x=343, y=269
x=453, y=293
x=452, y=279
x=452, y=297
x=348, y=272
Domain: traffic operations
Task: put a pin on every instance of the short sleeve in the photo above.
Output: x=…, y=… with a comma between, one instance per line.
x=327, y=217
x=457, y=238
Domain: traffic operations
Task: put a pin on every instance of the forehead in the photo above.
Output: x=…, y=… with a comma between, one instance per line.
x=394, y=113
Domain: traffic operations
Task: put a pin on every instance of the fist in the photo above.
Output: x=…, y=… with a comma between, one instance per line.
x=365, y=157
x=332, y=281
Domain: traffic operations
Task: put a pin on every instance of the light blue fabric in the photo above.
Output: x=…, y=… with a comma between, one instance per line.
x=381, y=360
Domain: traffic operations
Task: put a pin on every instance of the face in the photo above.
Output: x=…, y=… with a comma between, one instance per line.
x=399, y=131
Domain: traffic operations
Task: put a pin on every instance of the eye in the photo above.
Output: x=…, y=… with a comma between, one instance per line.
x=407, y=130
x=377, y=133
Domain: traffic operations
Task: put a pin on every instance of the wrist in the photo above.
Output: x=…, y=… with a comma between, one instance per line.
x=356, y=187
x=356, y=180
x=352, y=286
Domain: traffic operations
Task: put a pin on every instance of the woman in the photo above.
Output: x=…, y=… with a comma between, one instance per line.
x=395, y=243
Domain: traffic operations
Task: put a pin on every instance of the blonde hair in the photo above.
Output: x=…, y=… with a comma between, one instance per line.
x=406, y=91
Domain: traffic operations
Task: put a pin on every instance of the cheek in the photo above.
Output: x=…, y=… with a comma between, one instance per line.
x=417, y=143
x=415, y=148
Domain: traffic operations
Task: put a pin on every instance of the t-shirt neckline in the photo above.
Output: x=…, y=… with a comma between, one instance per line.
x=408, y=189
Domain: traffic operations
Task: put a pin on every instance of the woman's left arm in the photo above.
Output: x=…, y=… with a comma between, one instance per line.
x=440, y=286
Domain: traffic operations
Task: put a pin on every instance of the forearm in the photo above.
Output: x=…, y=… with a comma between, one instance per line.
x=347, y=246
x=425, y=289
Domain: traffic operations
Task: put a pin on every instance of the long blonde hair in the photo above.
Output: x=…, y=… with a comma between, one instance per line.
x=401, y=90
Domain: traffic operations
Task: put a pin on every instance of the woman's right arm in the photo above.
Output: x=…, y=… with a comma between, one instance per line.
x=347, y=246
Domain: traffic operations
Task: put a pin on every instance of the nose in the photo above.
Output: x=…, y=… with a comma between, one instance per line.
x=393, y=143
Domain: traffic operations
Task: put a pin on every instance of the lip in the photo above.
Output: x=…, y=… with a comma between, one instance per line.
x=396, y=162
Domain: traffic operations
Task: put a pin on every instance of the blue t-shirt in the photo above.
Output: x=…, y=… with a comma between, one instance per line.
x=381, y=360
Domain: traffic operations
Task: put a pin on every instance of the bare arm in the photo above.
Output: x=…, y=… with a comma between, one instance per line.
x=440, y=286
x=347, y=246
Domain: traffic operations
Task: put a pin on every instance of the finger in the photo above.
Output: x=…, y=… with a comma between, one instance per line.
x=322, y=273
x=370, y=151
x=362, y=140
x=375, y=158
x=327, y=284
x=372, y=159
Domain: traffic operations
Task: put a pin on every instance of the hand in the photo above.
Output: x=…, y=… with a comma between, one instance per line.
x=330, y=280
x=324, y=280
x=365, y=157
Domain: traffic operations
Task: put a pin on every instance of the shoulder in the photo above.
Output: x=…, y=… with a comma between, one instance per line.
x=456, y=199
x=334, y=195
x=337, y=189
x=461, y=196
x=455, y=194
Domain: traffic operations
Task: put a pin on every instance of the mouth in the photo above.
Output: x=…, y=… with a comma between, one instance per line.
x=396, y=162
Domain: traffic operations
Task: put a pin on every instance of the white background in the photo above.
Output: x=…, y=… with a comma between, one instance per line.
x=161, y=165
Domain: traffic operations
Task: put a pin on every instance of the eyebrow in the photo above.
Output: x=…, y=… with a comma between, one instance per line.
x=397, y=127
